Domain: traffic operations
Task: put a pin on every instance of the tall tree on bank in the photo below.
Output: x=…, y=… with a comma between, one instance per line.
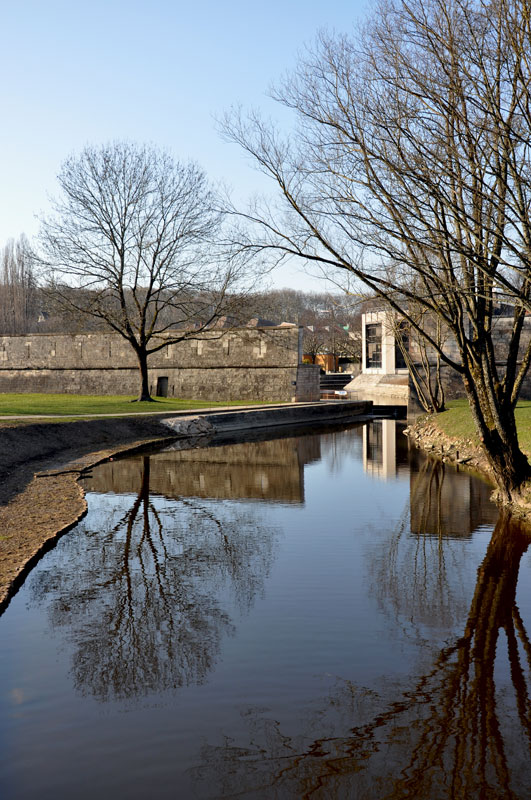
x=132, y=243
x=18, y=289
x=410, y=171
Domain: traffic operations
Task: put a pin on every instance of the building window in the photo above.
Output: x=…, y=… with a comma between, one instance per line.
x=373, y=346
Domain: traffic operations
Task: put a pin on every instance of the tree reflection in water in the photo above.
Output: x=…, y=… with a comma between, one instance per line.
x=452, y=735
x=416, y=575
x=142, y=601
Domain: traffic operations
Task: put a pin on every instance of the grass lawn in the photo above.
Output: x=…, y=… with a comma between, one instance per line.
x=68, y=405
x=457, y=421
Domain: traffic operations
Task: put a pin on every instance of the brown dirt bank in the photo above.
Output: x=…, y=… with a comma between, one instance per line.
x=40, y=497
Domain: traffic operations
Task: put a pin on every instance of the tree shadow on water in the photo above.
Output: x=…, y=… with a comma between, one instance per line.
x=451, y=734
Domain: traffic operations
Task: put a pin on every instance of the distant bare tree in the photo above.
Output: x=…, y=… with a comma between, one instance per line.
x=304, y=308
x=18, y=291
x=133, y=241
x=422, y=361
x=314, y=342
x=320, y=339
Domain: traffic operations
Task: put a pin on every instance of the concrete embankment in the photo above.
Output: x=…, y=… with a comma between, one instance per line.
x=40, y=463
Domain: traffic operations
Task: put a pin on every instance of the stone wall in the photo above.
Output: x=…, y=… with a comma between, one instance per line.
x=244, y=364
x=501, y=333
x=454, y=389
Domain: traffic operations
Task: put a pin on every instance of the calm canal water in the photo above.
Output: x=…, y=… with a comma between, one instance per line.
x=326, y=616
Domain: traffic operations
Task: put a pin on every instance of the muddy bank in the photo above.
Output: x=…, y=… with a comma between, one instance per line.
x=40, y=497
x=427, y=436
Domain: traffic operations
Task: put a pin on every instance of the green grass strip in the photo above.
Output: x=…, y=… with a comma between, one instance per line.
x=68, y=405
x=457, y=421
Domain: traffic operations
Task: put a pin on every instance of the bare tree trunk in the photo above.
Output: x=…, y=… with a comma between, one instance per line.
x=496, y=426
x=145, y=394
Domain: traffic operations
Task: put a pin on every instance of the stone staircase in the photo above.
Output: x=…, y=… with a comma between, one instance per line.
x=333, y=382
x=381, y=389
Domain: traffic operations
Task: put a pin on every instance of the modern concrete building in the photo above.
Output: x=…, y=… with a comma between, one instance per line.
x=384, y=378
x=384, y=375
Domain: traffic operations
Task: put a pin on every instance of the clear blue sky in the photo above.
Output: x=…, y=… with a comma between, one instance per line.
x=88, y=72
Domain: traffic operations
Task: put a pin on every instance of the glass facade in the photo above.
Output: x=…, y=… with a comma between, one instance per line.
x=373, y=346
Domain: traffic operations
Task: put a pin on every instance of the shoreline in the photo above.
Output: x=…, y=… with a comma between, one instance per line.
x=50, y=503
x=428, y=437
x=41, y=464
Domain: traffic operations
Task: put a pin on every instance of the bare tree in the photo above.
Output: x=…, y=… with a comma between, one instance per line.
x=133, y=242
x=321, y=339
x=18, y=291
x=422, y=361
x=411, y=172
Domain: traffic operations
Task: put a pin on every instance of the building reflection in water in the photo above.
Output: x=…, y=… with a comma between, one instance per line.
x=385, y=448
x=447, y=501
x=444, y=500
x=266, y=470
x=421, y=575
